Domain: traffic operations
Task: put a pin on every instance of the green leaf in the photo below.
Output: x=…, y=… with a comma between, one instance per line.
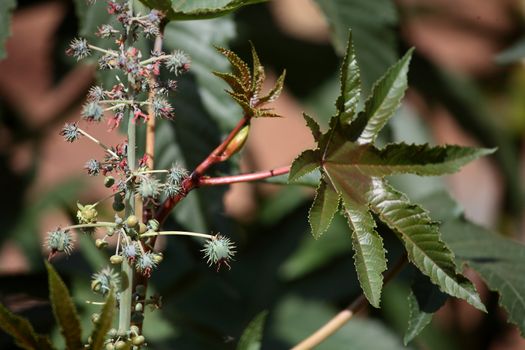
x=422, y=241
x=197, y=9
x=258, y=72
x=64, y=310
x=369, y=257
x=274, y=93
x=305, y=163
x=373, y=25
x=385, y=98
x=314, y=127
x=403, y=159
x=499, y=261
x=6, y=9
x=348, y=101
x=22, y=331
x=104, y=323
x=423, y=301
x=252, y=336
x=323, y=208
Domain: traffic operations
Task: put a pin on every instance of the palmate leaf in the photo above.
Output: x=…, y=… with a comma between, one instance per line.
x=197, y=9
x=422, y=241
x=64, y=310
x=423, y=301
x=385, y=98
x=324, y=207
x=403, y=158
x=22, y=331
x=104, y=323
x=348, y=102
x=252, y=336
x=246, y=86
x=352, y=166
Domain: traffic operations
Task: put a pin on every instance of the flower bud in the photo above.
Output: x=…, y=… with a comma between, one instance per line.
x=116, y=259
x=132, y=221
x=109, y=181
x=238, y=141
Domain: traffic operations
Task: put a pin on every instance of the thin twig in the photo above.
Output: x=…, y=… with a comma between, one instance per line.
x=106, y=148
x=345, y=315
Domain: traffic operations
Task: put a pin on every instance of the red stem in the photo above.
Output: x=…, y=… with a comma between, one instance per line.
x=193, y=180
x=225, y=180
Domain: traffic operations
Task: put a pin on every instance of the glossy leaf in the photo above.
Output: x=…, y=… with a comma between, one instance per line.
x=197, y=9
x=423, y=301
x=22, y=331
x=499, y=261
x=325, y=205
x=422, y=241
x=305, y=163
x=251, y=338
x=64, y=310
x=350, y=97
x=274, y=93
x=369, y=257
x=6, y=9
x=373, y=26
x=314, y=127
x=104, y=323
x=385, y=98
x=403, y=159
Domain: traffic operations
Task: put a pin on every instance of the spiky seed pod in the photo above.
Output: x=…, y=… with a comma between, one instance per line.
x=93, y=167
x=70, y=132
x=162, y=108
x=96, y=93
x=59, y=241
x=92, y=112
x=149, y=187
x=146, y=263
x=105, y=280
x=176, y=175
x=178, y=62
x=130, y=252
x=78, y=48
x=219, y=251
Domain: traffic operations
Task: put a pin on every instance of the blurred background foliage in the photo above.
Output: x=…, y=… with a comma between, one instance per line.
x=467, y=83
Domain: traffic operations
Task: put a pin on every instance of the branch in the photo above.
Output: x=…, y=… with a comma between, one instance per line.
x=345, y=315
x=225, y=180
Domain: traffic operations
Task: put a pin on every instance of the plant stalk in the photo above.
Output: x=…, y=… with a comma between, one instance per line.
x=345, y=315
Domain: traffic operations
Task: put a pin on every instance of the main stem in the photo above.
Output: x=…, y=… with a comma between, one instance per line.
x=124, y=321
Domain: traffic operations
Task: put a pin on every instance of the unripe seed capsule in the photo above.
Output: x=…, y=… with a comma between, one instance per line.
x=110, y=346
x=142, y=228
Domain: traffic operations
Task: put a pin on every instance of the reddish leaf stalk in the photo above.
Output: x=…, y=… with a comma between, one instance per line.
x=225, y=180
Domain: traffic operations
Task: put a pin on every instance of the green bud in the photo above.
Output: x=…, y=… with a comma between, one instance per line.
x=139, y=340
x=121, y=345
x=116, y=259
x=109, y=181
x=100, y=243
x=142, y=228
x=139, y=307
x=95, y=318
x=118, y=206
x=132, y=221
